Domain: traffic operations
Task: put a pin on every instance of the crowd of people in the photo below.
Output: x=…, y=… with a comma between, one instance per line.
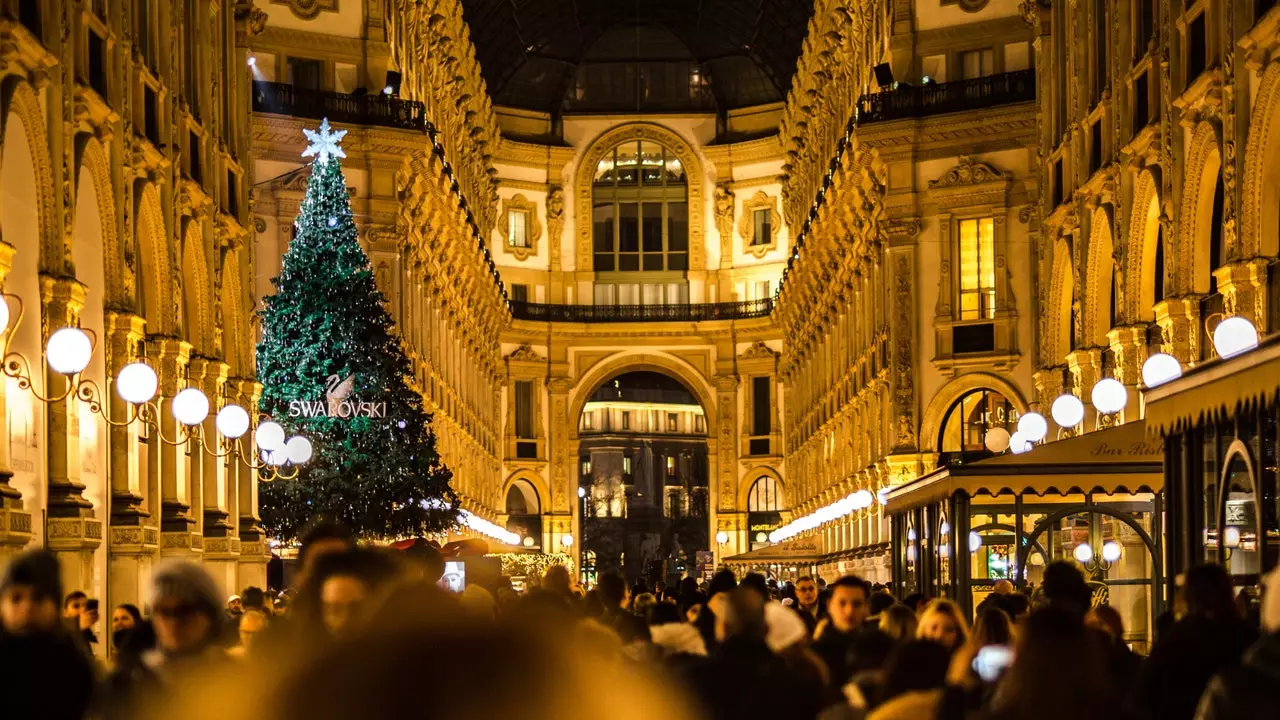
x=370, y=633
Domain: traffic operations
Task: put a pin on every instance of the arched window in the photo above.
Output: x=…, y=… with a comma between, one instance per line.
x=764, y=495
x=967, y=421
x=640, y=226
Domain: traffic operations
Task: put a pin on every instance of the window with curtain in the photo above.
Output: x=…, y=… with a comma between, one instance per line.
x=977, y=63
x=524, y=409
x=762, y=218
x=977, y=269
x=518, y=228
x=640, y=224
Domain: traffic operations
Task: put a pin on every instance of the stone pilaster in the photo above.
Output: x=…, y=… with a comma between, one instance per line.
x=72, y=532
x=63, y=298
x=1179, y=319
x=124, y=331
x=1049, y=385
x=214, y=471
x=1129, y=347
x=1086, y=371
x=248, y=391
x=15, y=523
x=1243, y=286
x=176, y=522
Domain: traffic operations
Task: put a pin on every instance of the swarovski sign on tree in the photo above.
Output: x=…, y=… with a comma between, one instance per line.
x=331, y=367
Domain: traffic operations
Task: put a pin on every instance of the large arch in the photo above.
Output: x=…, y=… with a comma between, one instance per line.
x=693, y=176
x=19, y=101
x=94, y=172
x=1057, y=333
x=195, y=290
x=1099, y=279
x=1260, y=201
x=622, y=363
x=1204, y=164
x=155, y=284
x=528, y=482
x=233, y=317
x=1140, y=261
x=948, y=394
x=22, y=226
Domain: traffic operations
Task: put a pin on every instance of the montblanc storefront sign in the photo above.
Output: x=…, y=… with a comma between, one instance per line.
x=337, y=403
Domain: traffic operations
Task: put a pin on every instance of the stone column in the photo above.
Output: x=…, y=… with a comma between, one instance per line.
x=221, y=546
x=1049, y=385
x=1243, y=286
x=1179, y=318
x=254, y=552
x=15, y=523
x=177, y=526
x=133, y=542
x=72, y=531
x=1086, y=371
x=1129, y=346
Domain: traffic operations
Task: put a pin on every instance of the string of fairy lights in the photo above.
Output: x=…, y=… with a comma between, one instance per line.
x=819, y=200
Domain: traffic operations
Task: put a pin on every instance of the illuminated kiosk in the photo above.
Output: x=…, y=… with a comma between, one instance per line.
x=787, y=561
x=1220, y=424
x=1092, y=500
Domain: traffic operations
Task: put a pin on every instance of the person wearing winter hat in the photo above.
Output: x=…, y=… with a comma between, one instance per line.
x=187, y=613
x=43, y=671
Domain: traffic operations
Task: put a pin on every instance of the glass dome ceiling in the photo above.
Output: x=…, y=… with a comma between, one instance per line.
x=560, y=56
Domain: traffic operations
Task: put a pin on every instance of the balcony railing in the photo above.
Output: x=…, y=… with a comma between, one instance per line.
x=692, y=312
x=938, y=98
x=378, y=109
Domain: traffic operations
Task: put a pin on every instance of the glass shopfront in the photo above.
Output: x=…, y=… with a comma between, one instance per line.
x=1092, y=501
x=1221, y=426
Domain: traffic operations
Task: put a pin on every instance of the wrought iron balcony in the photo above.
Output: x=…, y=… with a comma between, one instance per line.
x=378, y=109
x=692, y=312
x=918, y=101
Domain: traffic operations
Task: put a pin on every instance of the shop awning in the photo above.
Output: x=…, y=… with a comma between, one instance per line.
x=797, y=550
x=1121, y=459
x=1215, y=390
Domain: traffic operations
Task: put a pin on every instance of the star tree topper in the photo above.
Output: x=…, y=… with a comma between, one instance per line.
x=324, y=143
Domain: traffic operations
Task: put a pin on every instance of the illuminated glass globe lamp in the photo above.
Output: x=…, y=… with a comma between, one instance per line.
x=68, y=351
x=566, y=540
x=1159, y=369
x=1233, y=336
x=997, y=439
x=1111, y=551
x=298, y=449
x=975, y=541
x=269, y=436
x=232, y=421
x=1083, y=552
x=1067, y=411
x=137, y=383
x=1033, y=426
x=190, y=407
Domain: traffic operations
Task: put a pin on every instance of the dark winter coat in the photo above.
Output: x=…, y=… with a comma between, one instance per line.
x=47, y=676
x=1250, y=691
x=744, y=680
x=1182, y=662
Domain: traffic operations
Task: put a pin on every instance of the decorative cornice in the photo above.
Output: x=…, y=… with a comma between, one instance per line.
x=533, y=155
x=743, y=153
x=332, y=47
x=279, y=137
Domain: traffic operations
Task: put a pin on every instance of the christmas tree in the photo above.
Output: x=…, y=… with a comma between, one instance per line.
x=332, y=369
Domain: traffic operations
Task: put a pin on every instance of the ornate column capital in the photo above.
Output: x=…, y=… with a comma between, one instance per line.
x=1179, y=319
x=1243, y=286
x=1129, y=347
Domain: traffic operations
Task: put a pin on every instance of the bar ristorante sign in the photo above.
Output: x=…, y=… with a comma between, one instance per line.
x=338, y=403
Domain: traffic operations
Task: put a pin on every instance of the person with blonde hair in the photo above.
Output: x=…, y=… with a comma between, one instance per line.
x=942, y=622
